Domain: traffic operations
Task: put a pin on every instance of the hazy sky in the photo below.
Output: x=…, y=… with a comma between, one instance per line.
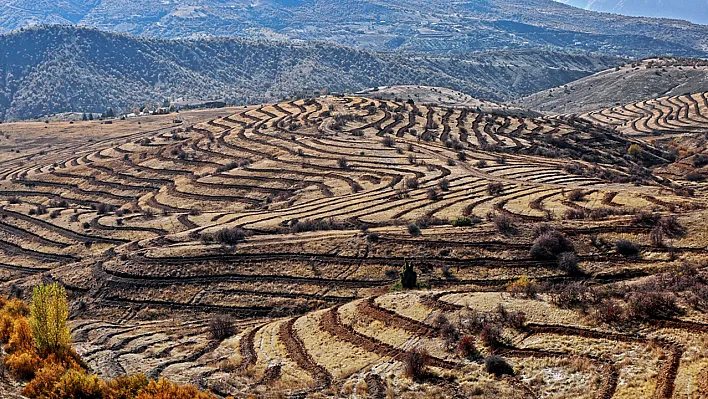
x=692, y=10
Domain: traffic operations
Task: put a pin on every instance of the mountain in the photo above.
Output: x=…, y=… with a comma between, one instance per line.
x=691, y=10
x=433, y=26
x=627, y=84
x=59, y=68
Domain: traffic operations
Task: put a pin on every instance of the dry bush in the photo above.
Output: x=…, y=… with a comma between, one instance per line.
x=221, y=327
x=523, y=287
x=575, y=214
x=568, y=262
x=570, y=295
x=492, y=334
x=498, y=366
x=550, y=244
x=495, y=188
x=78, y=384
x=432, y=194
x=652, y=305
x=444, y=184
x=23, y=365
x=388, y=141
x=413, y=229
x=610, y=311
x=126, y=386
x=44, y=381
x=626, y=248
x=412, y=183
x=695, y=177
x=505, y=224
x=466, y=221
x=414, y=363
x=467, y=348
x=645, y=219
x=576, y=195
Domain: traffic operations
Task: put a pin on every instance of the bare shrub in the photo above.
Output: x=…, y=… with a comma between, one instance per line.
x=432, y=194
x=626, y=248
x=495, y=188
x=550, y=244
x=221, y=327
x=523, y=287
x=414, y=363
x=412, y=183
x=388, y=141
x=652, y=305
x=492, y=334
x=498, y=366
x=568, y=262
x=505, y=224
x=413, y=229
x=467, y=348
x=576, y=195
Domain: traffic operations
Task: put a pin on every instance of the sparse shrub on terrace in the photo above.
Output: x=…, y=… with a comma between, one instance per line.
x=695, y=177
x=645, y=219
x=576, y=195
x=652, y=305
x=414, y=230
x=461, y=156
x=504, y=224
x=14, y=200
x=415, y=362
x=102, y=208
x=55, y=214
x=492, y=334
x=221, y=327
x=432, y=194
x=481, y=164
x=467, y=348
x=388, y=141
x=495, y=188
x=626, y=248
x=568, y=262
x=498, y=366
x=342, y=163
x=466, y=221
x=575, y=214
x=412, y=183
x=444, y=184
x=610, y=311
x=226, y=236
x=550, y=244
x=570, y=295
x=524, y=287
x=700, y=160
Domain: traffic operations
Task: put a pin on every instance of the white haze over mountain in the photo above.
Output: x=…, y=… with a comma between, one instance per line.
x=691, y=10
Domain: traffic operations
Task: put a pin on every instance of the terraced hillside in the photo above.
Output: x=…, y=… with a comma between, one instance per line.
x=636, y=81
x=254, y=253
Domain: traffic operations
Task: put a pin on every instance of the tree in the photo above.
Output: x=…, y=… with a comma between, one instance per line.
x=84, y=117
x=408, y=277
x=48, y=315
x=90, y=116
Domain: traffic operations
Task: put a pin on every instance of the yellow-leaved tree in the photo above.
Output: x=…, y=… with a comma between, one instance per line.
x=48, y=315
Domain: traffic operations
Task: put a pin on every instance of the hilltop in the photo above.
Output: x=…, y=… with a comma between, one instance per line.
x=691, y=10
x=628, y=83
x=61, y=69
x=430, y=26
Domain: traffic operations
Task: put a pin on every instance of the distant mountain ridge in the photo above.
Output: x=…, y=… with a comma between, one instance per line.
x=60, y=69
x=691, y=10
x=431, y=26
